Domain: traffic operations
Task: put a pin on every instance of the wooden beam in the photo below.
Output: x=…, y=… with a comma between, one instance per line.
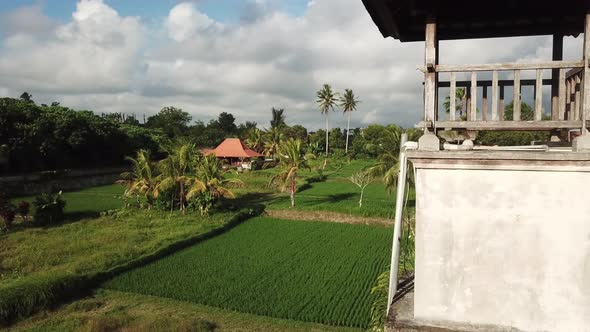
x=586, y=83
x=507, y=125
x=495, y=96
x=473, y=115
x=539, y=96
x=488, y=83
x=507, y=66
x=562, y=95
x=430, y=76
x=452, y=95
x=516, y=99
x=556, y=76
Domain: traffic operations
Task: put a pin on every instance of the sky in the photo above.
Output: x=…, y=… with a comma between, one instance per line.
x=237, y=56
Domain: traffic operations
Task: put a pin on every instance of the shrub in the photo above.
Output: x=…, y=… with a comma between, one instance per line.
x=7, y=211
x=23, y=209
x=49, y=209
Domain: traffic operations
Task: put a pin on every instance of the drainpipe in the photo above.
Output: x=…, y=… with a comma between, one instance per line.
x=399, y=202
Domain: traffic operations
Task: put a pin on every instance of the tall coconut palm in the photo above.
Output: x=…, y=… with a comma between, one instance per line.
x=272, y=142
x=291, y=160
x=348, y=103
x=326, y=102
x=255, y=140
x=278, y=118
x=176, y=172
x=141, y=180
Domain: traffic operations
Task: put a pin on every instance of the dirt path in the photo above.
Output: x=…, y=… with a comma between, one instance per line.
x=328, y=217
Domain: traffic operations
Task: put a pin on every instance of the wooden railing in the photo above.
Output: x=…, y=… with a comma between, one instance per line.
x=566, y=96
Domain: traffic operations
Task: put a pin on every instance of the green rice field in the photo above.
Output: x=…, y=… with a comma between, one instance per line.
x=308, y=271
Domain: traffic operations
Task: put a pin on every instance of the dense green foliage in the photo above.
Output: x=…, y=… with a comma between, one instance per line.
x=49, y=209
x=317, y=272
x=55, y=137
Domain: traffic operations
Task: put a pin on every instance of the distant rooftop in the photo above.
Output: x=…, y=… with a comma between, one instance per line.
x=233, y=148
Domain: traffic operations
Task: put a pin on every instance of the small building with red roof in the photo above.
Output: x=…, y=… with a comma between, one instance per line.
x=235, y=152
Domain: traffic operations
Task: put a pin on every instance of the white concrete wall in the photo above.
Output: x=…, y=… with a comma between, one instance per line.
x=503, y=247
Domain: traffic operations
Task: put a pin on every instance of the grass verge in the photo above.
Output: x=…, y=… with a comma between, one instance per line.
x=43, y=267
x=112, y=310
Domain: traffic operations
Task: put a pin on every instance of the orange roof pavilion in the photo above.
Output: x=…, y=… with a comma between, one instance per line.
x=233, y=148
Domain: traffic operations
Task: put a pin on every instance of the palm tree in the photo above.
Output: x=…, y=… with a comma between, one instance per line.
x=278, y=118
x=459, y=102
x=326, y=102
x=291, y=160
x=210, y=181
x=348, y=103
x=255, y=141
x=176, y=172
x=272, y=141
x=141, y=180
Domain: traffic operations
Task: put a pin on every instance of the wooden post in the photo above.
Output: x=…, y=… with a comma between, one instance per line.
x=539, y=96
x=586, y=79
x=473, y=96
x=501, y=104
x=468, y=102
x=495, y=95
x=452, y=95
x=484, y=103
x=556, y=78
x=430, y=74
x=562, y=93
x=516, y=99
x=578, y=97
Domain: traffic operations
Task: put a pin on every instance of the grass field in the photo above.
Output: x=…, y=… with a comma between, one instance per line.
x=120, y=311
x=309, y=271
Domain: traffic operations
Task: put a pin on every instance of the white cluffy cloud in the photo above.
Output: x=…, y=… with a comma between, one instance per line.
x=103, y=61
x=184, y=21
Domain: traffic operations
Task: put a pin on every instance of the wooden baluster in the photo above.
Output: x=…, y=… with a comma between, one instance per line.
x=484, y=103
x=572, y=97
x=578, y=97
x=516, y=99
x=562, y=93
x=539, y=96
x=452, y=95
x=501, y=104
x=495, y=96
x=468, y=103
x=473, y=96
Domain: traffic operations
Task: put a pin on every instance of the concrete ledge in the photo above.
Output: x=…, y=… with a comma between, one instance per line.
x=401, y=319
x=501, y=155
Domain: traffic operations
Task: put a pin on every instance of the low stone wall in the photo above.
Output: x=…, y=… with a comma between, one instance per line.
x=67, y=180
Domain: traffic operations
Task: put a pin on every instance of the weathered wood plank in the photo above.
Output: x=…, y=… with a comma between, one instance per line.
x=507, y=66
x=473, y=116
x=561, y=97
x=516, y=99
x=494, y=96
x=452, y=97
x=430, y=75
x=488, y=83
x=539, y=96
x=507, y=125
